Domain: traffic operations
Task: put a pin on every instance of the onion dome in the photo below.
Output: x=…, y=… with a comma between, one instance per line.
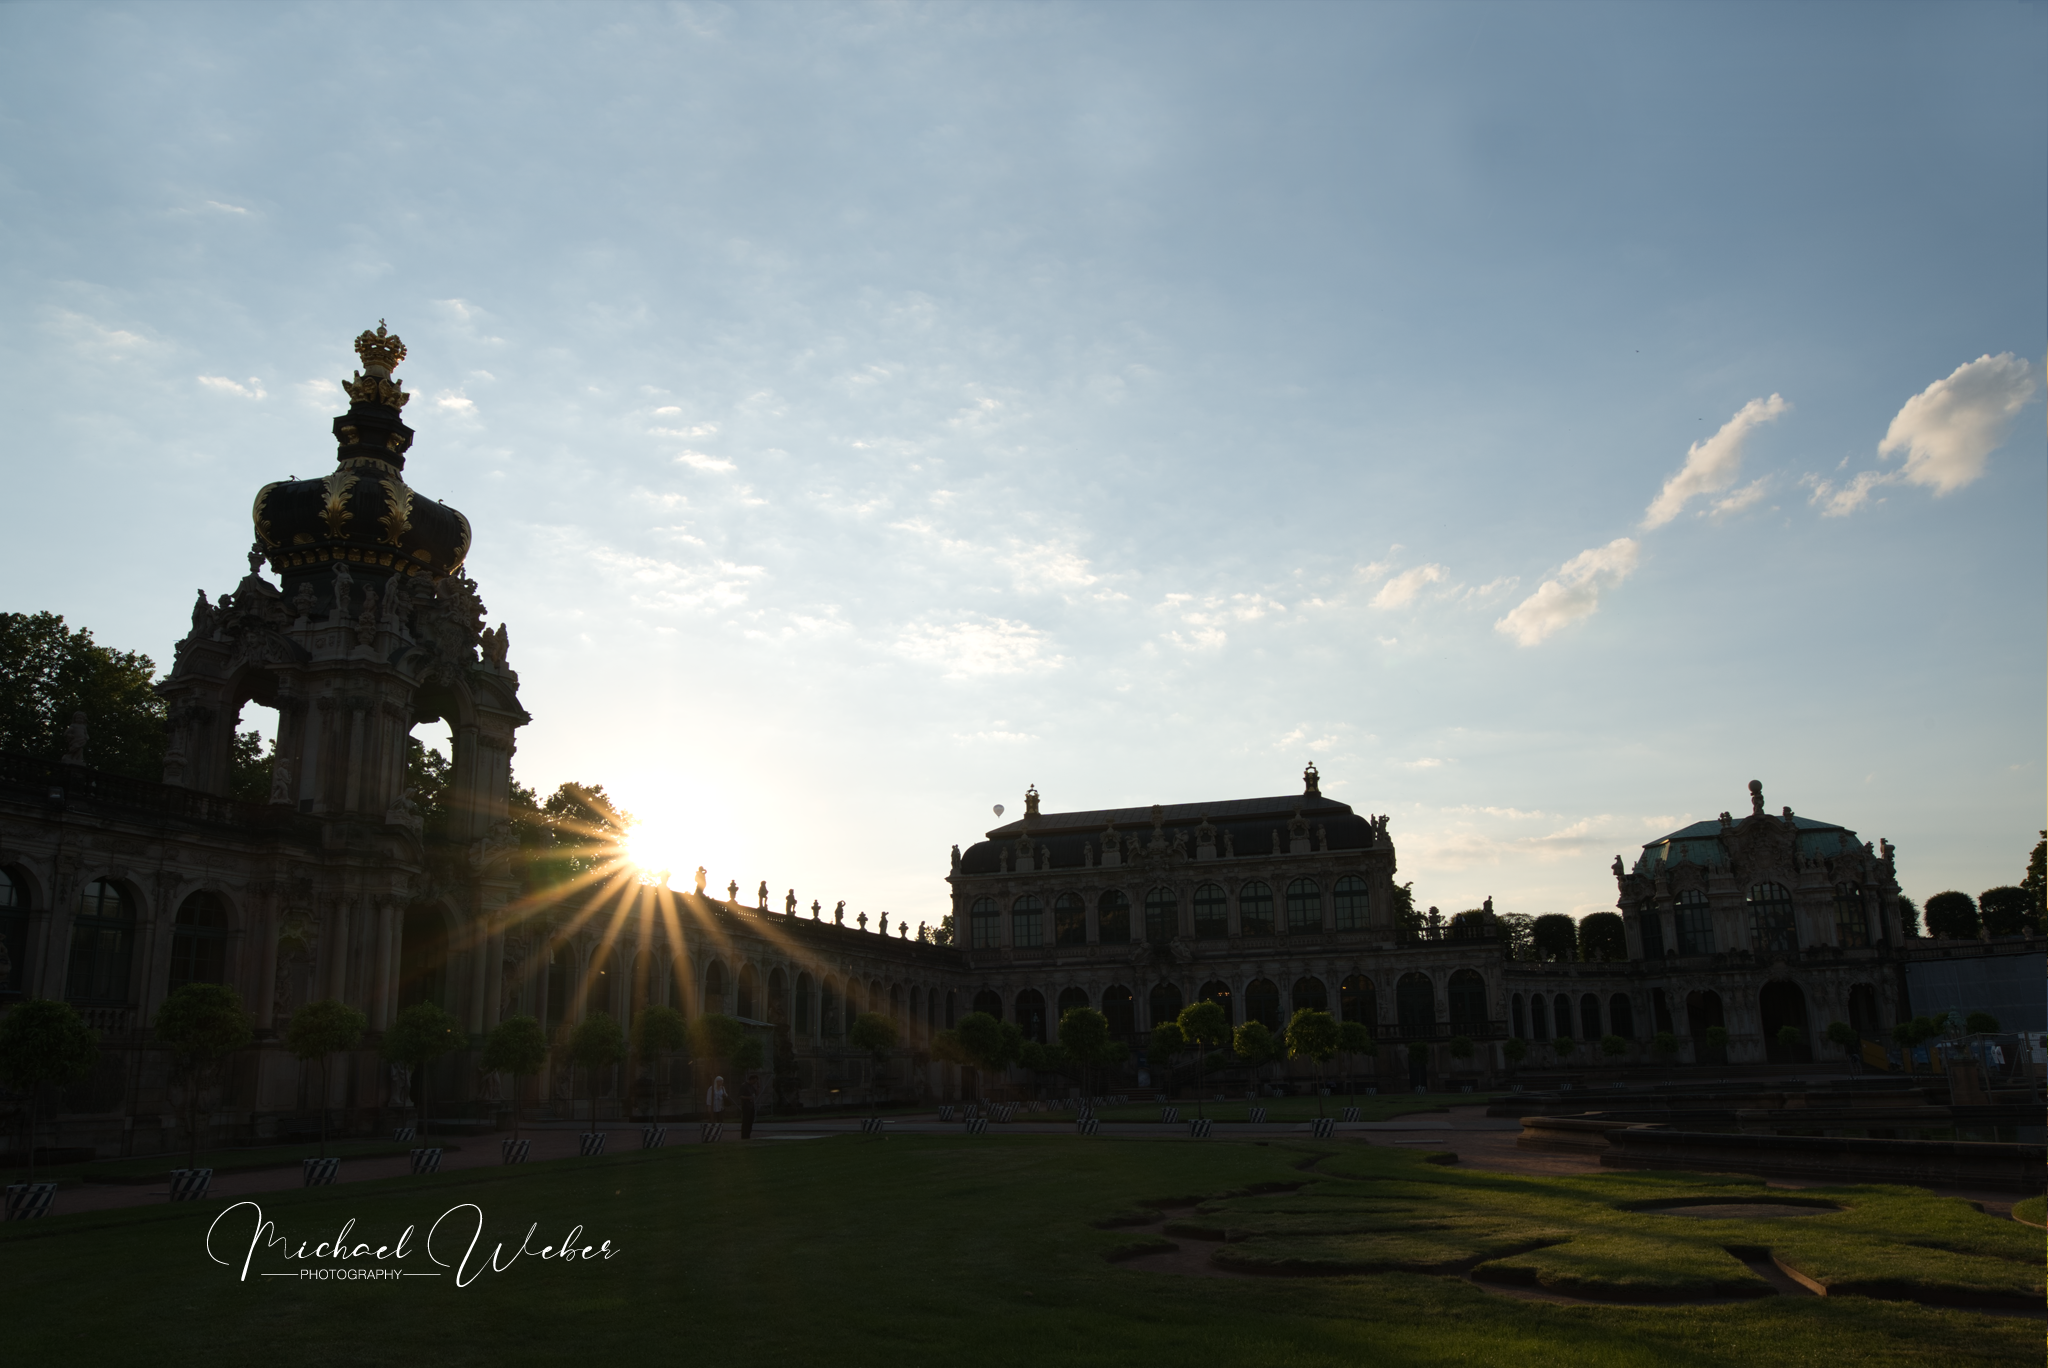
x=363, y=512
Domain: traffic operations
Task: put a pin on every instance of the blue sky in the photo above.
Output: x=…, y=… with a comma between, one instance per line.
x=1546, y=418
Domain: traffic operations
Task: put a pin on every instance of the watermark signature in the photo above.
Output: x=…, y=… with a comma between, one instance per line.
x=346, y=1256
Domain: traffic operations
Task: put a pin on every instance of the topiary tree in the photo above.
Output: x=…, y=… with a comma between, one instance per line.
x=1665, y=1045
x=1514, y=1050
x=1613, y=1046
x=422, y=1033
x=1554, y=936
x=1981, y=1023
x=1084, y=1035
x=597, y=1043
x=1353, y=1040
x=2008, y=911
x=1203, y=1026
x=1717, y=1041
x=1255, y=1045
x=1461, y=1047
x=44, y=1045
x=1602, y=937
x=517, y=1047
x=876, y=1034
x=203, y=1024
x=2036, y=880
x=1841, y=1033
x=658, y=1032
x=1909, y=918
x=317, y=1032
x=1167, y=1041
x=1952, y=916
x=1313, y=1035
x=1563, y=1046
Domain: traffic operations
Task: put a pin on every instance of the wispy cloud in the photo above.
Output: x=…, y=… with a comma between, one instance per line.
x=220, y=384
x=226, y=208
x=697, y=460
x=1742, y=500
x=1041, y=566
x=1947, y=429
x=969, y=649
x=1401, y=590
x=1573, y=594
x=1839, y=501
x=1712, y=465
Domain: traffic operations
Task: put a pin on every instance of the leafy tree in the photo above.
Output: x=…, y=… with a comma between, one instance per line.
x=249, y=768
x=1554, y=937
x=1563, y=1046
x=1909, y=917
x=1255, y=1045
x=1084, y=1035
x=991, y=1045
x=1613, y=1046
x=1472, y=922
x=48, y=672
x=1717, y=1041
x=1203, y=1026
x=1461, y=1047
x=1353, y=1040
x=1602, y=939
x=1313, y=1035
x=1167, y=1041
x=658, y=1032
x=1791, y=1037
x=319, y=1030
x=876, y=1034
x=1952, y=916
x=1842, y=1034
x=203, y=1024
x=44, y=1045
x=427, y=774
x=1406, y=919
x=422, y=1033
x=517, y=1047
x=596, y=1043
x=1981, y=1023
x=1517, y=934
x=1515, y=1050
x=1916, y=1032
x=1665, y=1045
x=2036, y=882
x=2008, y=911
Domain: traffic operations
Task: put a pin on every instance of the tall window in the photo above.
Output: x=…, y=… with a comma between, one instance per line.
x=1031, y=1014
x=714, y=987
x=1771, y=929
x=1310, y=993
x=1353, y=901
x=828, y=1010
x=1212, y=912
x=1468, y=1000
x=1218, y=992
x=1069, y=920
x=1304, y=906
x=1255, y=909
x=1120, y=1011
x=986, y=923
x=1113, y=918
x=1162, y=916
x=1621, y=1016
x=102, y=944
x=1518, y=1018
x=803, y=1005
x=199, y=941
x=1695, y=924
x=1852, y=928
x=1359, y=1001
x=1415, y=1001
x=1163, y=1003
x=988, y=1004
x=13, y=934
x=1562, y=1012
x=1027, y=922
x=1262, y=1003
x=1589, y=1016
x=1651, y=923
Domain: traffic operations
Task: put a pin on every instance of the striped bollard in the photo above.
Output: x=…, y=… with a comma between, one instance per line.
x=320, y=1172
x=27, y=1201
x=1351, y=1113
x=652, y=1136
x=1323, y=1128
x=1198, y=1129
x=712, y=1130
x=426, y=1160
x=402, y=1134
x=590, y=1144
x=1258, y=1114
x=1372, y=1091
x=977, y=1125
x=1087, y=1125
x=871, y=1125
x=517, y=1150
x=1169, y=1114
x=945, y=1113
x=190, y=1185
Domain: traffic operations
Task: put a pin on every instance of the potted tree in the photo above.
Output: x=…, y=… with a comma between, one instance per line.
x=876, y=1034
x=1313, y=1035
x=422, y=1033
x=658, y=1032
x=1354, y=1040
x=44, y=1045
x=318, y=1031
x=517, y=1047
x=203, y=1024
x=1203, y=1027
x=597, y=1043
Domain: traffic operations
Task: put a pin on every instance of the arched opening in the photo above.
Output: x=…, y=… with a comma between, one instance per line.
x=1589, y=1016
x=1162, y=916
x=1660, y=1010
x=1262, y=1003
x=896, y=1005
x=714, y=988
x=102, y=945
x=1864, y=1015
x=1120, y=1011
x=1071, y=999
x=1310, y=995
x=1703, y=1014
x=1304, y=906
x=560, y=975
x=1069, y=920
x=952, y=1001
x=778, y=997
x=1163, y=1003
x=828, y=1009
x=1772, y=930
x=199, y=941
x=251, y=773
x=803, y=1005
x=14, y=909
x=1113, y=918
x=912, y=1018
x=1218, y=992
x=1621, y=1016
x=1539, y=1017
x=1518, y=1017
x=1255, y=908
x=747, y=1006
x=1353, y=901
x=1415, y=1005
x=989, y=1003
x=1783, y=1006
x=1031, y=1014
x=423, y=957
x=1561, y=1014
x=1212, y=912
x=1359, y=1000
x=1467, y=992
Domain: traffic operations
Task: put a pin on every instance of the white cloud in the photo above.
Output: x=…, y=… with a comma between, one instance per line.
x=226, y=208
x=456, y=402
x=1839, y=501
x=968, y=649
x=1747, y=497
x=93, y=338
x=320, y=394
x=698, y=430
x=1711, y=466
x=221, y=384
x=1400, y=591
x=1574, y=594
x=1048, y=567
x=1947, y=429
x=699, y=461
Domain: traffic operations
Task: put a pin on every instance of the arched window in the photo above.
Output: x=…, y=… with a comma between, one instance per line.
x=1589, y=1016
x=1651, y=926
x=1255, y=909
x=1069, y=920
x=1353, y=901
x=102, y=945
x=1163, y=1003
x=1071, y=999
x=1561, y=1013
x=714, y=988
x=1621, y=1016
x=1027, y=921
x=896, y=1004
x=1304, y=906
x=1415, y=1002
x=803, y=1005
x=561, y=974
x=199, y=942
x=13, y=934
x=914, y=1019
x=1695, y=924
x=1863, y=1013
x=746, y=994
x=1262, y=1003
x=1771, y=927
x=1113, y=918
x=1120, y=1011
x=778, y=997
x=1518, y=1018
x=1218, y=992
x=1310, y=995
x=1852, y=926
x=986, y=922
x=988, y=1003
x=1359, y=1000
x=1539, y=1017
x=1660, y=1010
x=1031, y=1014
x=952, y=1001
x=423, y=957
x=1162, y=916
x=828, y=1009
x=1212, y=912
x=1467, y=992
x=1782, y=1004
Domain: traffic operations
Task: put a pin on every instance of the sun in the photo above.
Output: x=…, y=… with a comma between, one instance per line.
x=655, y=849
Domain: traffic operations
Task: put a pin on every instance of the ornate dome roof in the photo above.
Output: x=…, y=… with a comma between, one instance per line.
x=363, y=512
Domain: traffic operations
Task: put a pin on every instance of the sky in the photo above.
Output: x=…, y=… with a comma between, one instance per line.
x=1545, y=418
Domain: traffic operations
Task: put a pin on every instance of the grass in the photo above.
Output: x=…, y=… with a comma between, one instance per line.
x=924, y=1249
x=1384, y=1107
x=155, y=1167
x=2033, y=1210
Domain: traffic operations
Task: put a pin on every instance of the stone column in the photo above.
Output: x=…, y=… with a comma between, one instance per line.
x=337, y=943
x=265, y=929
x=383, y=987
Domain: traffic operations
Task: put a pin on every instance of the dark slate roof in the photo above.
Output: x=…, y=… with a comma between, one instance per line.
x=1250, y=822
x=1700, y=843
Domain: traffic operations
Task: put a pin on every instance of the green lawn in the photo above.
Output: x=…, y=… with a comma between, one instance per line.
x=158, y=1166
x=1383, y=1107
x=989, y=1249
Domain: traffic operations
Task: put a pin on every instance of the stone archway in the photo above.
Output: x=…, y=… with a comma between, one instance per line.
x=1782, y=1004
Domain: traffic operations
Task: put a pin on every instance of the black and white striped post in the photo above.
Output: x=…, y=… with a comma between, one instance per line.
x=27, y=1201
x=402, y=1134
x=871, y=1125
x=517, y=1150
x=1258, y=1114
x=712, y=1130
x=321, y=1172
x=1198, y=1129
x=1087, y=1125
x=946, y=1114
x=1323, y=1128
x=977, y=1125
x=1350, y=1114
x=590, y=1144
x=426, y=1160
x=652, y=1136
x=1169, y=1114
x=190, y=1185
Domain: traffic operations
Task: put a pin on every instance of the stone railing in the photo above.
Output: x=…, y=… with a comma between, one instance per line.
x=60, y=784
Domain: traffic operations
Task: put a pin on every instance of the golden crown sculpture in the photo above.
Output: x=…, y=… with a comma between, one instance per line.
x=380, y=351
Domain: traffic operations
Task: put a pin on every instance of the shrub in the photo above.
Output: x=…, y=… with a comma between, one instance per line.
x=518, y=1047
x=1563, y=1047
x=1613, y=1046
x=1952, y=916
x=1981, y=1023
x=319, y=1030
x=1843, y=1034
x=1665, y=1044
x=1791, y=1037
x=1461, y=1047
x=1601, y=937
x=2008, y=911
x=1554, y=937
x=1515, y=1050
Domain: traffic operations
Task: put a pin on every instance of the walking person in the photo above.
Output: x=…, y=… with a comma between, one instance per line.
x=714, y=1099
x=749, y=1091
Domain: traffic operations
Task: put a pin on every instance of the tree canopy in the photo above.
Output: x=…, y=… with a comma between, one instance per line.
x=1952, y=916
x=203, y=1023
x=517, y=1046
x=1554, y=936
x=321, y=1028
x=48, y=672
x=2008, y=911
x=1602, y=938
x=1517, y=931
